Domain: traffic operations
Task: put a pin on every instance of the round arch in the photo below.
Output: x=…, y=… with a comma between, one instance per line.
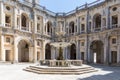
x=97, y=52
x=73, y=51
x=47, y=52
x=30, y=43
x=23, y=51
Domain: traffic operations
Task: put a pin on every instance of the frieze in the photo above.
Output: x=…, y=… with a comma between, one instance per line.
x=38, y=36
x=115, y=32
x=25, y=9
x=45, y=37
x=7, y=30
x=26, y=34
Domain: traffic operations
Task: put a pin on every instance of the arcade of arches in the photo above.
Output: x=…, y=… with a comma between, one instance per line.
x=97, y=53
x=70, y=55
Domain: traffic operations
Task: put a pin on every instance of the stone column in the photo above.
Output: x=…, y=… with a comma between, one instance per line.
x=78, y=25
x=46, y=28
x=68, y=54
x=87, y=21
x=88, y=55
x=108, y=54
x=101, y=23
x=29, y=26
x=89, y=52
x=43, y=27
x=68, y=30
x=20, y=23
x=52, y=53
x=2, y=48
x=86, y=48
x=92, y=25
x=43, y=54
x=118, y=54
x=35, y=22
x=15, y=49
x=31, y=51
x=14, y=20
x=1, y=13
x=35, y=51
x=57, y=52
x=108, y=18
x=110, y=61
x=63, y=52
x=78, y=50
x=118, y=50
x=105, y=50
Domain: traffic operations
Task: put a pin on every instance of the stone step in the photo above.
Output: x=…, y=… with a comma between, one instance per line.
x=62, y=70
x=75, y=73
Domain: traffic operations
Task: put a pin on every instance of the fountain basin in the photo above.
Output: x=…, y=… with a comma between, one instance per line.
x=60, y=44
x=61, y=63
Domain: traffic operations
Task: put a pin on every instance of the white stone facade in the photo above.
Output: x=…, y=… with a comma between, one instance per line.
x=27, y=29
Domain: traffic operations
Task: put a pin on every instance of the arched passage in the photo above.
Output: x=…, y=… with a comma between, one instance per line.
x=97, y=52
x=23, y=51
x=48, y=51
x=73, y=51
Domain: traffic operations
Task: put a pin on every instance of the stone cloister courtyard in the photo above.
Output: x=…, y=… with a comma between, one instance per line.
x=15, y=72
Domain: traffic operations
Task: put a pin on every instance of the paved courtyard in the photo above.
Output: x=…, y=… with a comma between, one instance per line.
x=15, y=72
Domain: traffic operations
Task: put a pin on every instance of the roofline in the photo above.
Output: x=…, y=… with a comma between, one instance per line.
x=61, y=14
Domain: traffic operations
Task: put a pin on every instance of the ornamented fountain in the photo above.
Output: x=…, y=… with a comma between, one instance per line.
x=60, y=65
x=61, y=44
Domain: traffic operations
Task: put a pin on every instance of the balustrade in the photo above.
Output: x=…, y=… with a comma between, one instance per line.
x=24, y=28
x=7, y=25
x=114, y=25
x=97, y=29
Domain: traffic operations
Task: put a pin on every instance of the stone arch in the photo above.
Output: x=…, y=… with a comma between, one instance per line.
x=72, y=27
x=97, y=52
x=22, y=43
x=97, y=21
x=23, y=51
x=25, y=39
x=47, y=51
x=73, y=51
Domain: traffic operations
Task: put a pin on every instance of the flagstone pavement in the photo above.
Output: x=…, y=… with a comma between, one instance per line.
x=15, y=72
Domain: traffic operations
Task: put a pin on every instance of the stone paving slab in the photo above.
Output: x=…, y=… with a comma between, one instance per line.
x=15, y=72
